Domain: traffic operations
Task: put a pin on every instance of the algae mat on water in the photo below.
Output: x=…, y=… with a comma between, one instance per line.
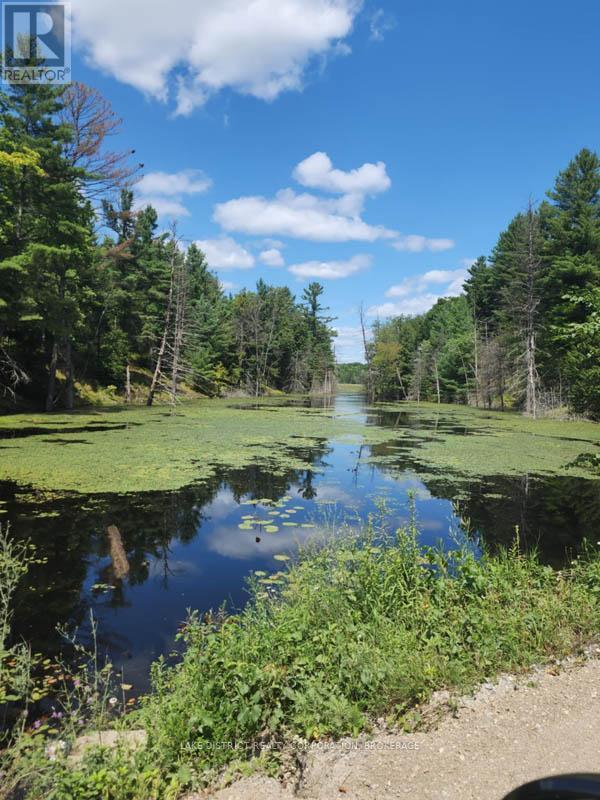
x=146, y=449
x=468, y=442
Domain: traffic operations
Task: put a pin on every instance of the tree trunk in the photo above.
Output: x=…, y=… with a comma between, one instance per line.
x=163, y=341
x=159, y=358
x=531, y=400
x=368, y=359
x=69, y=375
x=181, y=285
x=476, y=365
x=52, y=377
x=401, y=382
x=127, y=384
x=437, y=381
x=531, y=303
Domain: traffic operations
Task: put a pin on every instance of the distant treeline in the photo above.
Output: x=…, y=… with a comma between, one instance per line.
x=354, y=372
x=526, y=331
x=133, y=308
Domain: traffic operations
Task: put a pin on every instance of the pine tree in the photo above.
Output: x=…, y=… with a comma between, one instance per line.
x=572, y=228
x=53, y=235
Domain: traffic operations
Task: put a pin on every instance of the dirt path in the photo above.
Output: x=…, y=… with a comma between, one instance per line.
x=506, y=735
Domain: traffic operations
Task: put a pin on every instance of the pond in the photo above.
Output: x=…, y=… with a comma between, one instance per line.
x=194, y=531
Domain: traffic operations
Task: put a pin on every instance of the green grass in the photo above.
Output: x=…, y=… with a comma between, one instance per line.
x=151, y=449
x=351, y=632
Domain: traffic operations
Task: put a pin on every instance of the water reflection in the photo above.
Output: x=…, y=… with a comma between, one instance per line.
x=140, y=560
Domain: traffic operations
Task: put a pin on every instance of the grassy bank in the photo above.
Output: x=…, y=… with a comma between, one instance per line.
x=351, y=631
x=354, y=631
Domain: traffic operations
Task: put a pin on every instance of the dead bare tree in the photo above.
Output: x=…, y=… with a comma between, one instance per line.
x=11, y=374
x=437, y=378
x=521, y=301
x=531, y=301
x=368, y=354
x=162, y=349
x=92, y=121
x=179, y=336
x=181, y=287
x=401, y=383
x=420, y=366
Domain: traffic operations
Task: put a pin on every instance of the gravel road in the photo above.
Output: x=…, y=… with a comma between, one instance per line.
x=507, y=734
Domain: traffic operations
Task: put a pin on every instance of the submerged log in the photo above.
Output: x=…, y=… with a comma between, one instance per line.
x=117, y=552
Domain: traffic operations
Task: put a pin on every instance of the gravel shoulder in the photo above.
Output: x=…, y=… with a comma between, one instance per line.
x=509, y=733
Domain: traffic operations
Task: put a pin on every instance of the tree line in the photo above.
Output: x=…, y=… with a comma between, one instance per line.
x=525, y=332
x=93, y=292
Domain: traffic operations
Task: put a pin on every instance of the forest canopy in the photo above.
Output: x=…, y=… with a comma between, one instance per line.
x=97, y=301
x=525, y=332
x=94, y=294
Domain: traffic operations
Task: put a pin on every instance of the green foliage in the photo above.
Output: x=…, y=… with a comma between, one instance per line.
x=16, y=662
x=582, y=345
x=93, y=311
x=352, y=373
x=524, y=332
x=412, y=355
x=359, y=628
x=106, y=774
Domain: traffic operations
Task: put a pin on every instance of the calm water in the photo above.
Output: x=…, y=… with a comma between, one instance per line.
x=185, y=548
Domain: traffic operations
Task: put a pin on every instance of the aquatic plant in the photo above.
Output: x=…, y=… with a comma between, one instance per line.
x=139, y=449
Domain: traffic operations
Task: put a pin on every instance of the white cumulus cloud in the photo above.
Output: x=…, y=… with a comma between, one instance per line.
x=164, y=206
x=419, y=293
x=417, y=244
x=226, y=253
x=331, y=270
x=197, y=48
x=272, y=257
x=300, y=216
x=187, y=181
x=349, y=344
x=166, y=191
x=317, y=172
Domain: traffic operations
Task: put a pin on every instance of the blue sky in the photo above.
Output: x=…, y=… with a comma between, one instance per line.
x=377, y=146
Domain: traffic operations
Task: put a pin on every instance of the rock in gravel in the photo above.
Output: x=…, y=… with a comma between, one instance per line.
x=131, y=739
